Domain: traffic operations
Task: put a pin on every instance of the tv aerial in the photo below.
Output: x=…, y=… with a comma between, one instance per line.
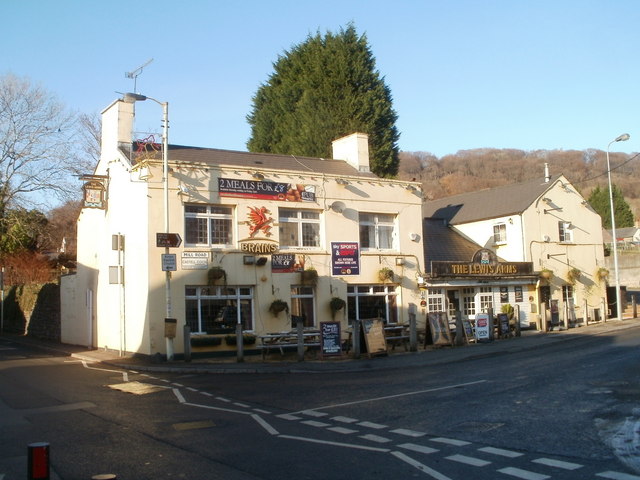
x=134, y=73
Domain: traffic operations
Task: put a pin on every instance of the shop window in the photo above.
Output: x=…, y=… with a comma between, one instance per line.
x=372, y=301
x=486, y=299
x=377, y=231
x=208, y=225
x=298, y=228
x=218, y=309
x=565, y=232
x=500, y=233
x=303, y=305
x=435, y=300
x=469, y=301
x=567, y=293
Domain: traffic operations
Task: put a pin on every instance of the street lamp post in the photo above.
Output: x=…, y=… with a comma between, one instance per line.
x=136, y=97
x=622, y=138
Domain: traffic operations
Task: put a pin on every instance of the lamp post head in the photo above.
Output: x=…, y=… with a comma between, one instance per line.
x=622, y=138
x=133, y=97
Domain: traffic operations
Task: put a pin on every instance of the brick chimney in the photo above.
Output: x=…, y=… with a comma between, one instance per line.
x=354, y=149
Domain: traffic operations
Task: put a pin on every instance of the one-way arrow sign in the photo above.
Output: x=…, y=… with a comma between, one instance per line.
x=168, y=240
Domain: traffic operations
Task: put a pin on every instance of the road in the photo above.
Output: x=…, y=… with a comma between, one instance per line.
x=569, y=410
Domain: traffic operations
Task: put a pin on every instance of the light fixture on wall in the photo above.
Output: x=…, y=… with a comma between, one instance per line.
x=399, y=261
x=258, y=176
x=248, y=259
x=414, y=237
x=548, y=201
x=337, y=206
x=261, y=261
x=342, y=182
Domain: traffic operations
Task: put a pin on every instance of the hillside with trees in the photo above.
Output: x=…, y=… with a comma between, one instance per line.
x=477, y=169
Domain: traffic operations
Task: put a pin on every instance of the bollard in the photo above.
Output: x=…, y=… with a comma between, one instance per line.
x=356, y=338
x=300, y=331
x=239, y=343
x=491, y=323
x=460, y=338
x=187, y=342
x=413, y=333
x=634, y=307
x=38, y=461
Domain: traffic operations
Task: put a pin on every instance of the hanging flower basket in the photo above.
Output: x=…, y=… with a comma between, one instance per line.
x=216, y=273
x=602, y=274
x=310, y=275
x=573, y=275
x=546, y=274
x=336, y=304
x=278, y=306
x=385, y=274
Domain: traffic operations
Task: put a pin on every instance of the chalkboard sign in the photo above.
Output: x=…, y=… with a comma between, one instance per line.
x=468, y=330
x=503, y=321
x=439, y=327
x=373, y=331
x=330, y=343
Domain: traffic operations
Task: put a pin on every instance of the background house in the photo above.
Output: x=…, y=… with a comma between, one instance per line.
x=543, y=240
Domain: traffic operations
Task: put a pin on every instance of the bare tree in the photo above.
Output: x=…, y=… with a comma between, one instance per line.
x=90, y=130
x=36, y=140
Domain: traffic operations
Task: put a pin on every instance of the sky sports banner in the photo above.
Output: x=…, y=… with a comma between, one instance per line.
x=285, y=192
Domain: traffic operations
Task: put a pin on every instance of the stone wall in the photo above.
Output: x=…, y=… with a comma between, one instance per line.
x=33, y=310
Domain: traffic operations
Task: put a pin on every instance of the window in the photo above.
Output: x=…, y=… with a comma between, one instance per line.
x=208, y=225
x=302, y=305
x=567, y=293
x=299, y=228
x=486, y=299
x=219, y=309
x=377, y=231
x=372, y=301
x=564, y=229
x=435, y=300
x=468, y=301
x=500, y=233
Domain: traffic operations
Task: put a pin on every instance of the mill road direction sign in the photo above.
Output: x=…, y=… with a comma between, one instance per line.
x=168, y=240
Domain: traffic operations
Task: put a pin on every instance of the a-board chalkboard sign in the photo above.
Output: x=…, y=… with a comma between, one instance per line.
x=483, y=325
x=330, y=343
x=439, y=327
x=503, y=322
x=374, y=340
x=468, y=330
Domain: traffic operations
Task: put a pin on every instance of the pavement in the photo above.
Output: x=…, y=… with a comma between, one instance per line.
x=288, y=364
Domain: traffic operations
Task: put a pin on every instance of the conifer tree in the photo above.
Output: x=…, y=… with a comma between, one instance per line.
x=599, y=200
x=323, y=89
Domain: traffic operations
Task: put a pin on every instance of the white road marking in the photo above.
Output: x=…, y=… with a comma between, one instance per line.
x=243, y=405
x=524, y=474
x=192, y=389
x=314, y=423
x=288, y=416
x=336, y=444
x=345, y=431
x=474, y=462
x=375, y=438
x=418, y=448
x=177, y=385
x=376, y=426
x=423, y=468
x=125, y=375
x=345, y=419
x=222, y=399
x=387, y=397
x=263, y=423
x=557, y=463
x=178, y=395
x=408, y=433
x=450, y=441
x=207, y=394
x=501, y=452
x=617, y=476
x=262, y=411
x=313, y=413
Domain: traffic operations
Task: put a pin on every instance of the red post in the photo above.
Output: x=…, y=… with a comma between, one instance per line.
x=38, y=461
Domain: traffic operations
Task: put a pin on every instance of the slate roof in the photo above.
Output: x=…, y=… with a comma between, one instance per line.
x=625, y=232
x=444, y=244
x=490, y=203
x=267, y=161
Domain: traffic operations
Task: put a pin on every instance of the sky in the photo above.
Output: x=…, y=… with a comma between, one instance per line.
x=463, y=74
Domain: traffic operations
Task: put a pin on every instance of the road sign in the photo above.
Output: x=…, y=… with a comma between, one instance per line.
x=169, y=263
x=168, y=240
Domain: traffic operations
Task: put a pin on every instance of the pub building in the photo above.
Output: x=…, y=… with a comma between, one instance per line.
x=256, y=241
x=536, y=246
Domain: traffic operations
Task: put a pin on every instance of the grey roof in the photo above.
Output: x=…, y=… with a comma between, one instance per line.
x=444, y=244
x=490, y=203
x=626, y=232
x=270, y=161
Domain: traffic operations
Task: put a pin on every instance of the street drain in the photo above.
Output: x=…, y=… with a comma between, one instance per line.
x=193, y=425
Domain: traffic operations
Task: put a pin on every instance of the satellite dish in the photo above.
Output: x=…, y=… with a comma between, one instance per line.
x=546, y=238
x=338, y=206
